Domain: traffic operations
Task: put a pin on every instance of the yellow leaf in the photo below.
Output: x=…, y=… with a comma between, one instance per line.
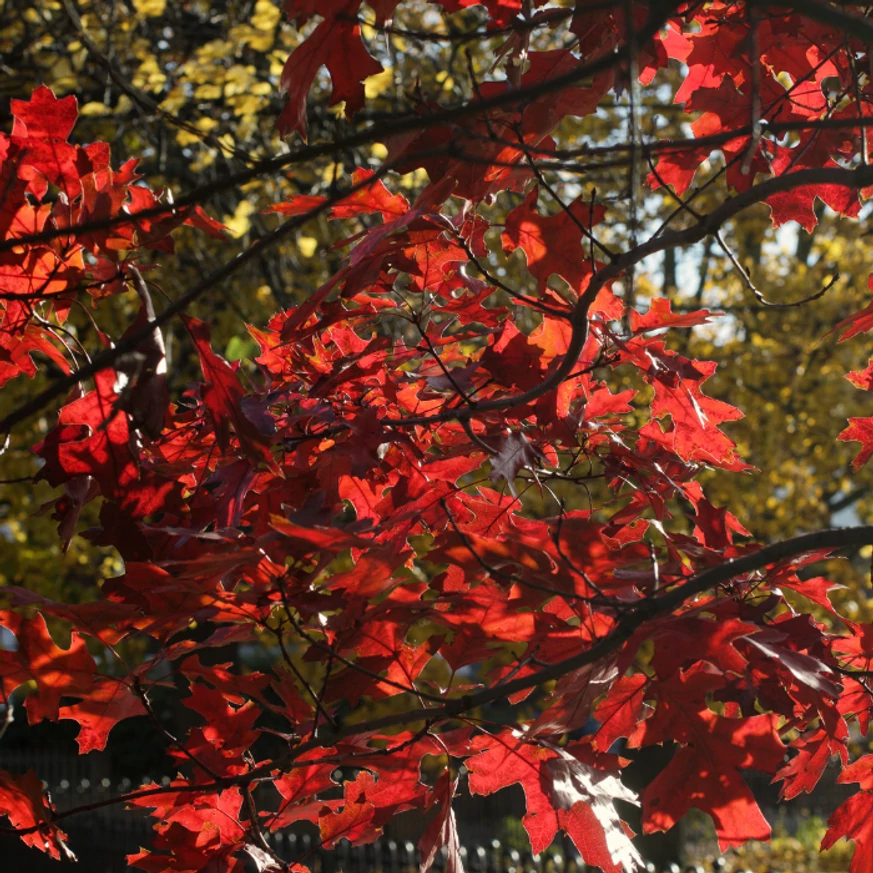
x=307, y=245
x=445, y=80
x=95, y=107
x=227, y=143
x=150, y=8
x=246, y=104
x=266, y=15
x=184, y=137
x=149, y=76
x=238, y=224
x=332, y=172
x=175, y=100
x=378, y=84
x=208, y=91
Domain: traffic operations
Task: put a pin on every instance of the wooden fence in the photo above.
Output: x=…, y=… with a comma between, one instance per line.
x=103, y=837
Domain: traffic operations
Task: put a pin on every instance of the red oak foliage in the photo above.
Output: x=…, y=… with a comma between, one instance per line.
x=359, y=500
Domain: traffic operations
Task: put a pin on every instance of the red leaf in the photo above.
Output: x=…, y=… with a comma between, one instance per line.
x=109, y=703
x=515, y=454
x=860, y=430
x=266, y=863
x=56, y=671
x=44, y=116
x=92, y=439
x=299, y=787
x=336, y=43
x=862, y=379
x=859, y=322
x=442, y=832
x=372, y=198
x=553, y=244
x=621, y=710
x=693, y=433
x=853, y=820
x=325, y=510
x=22, y=802
x=354, y=817
x=224, y=395
x=584, y=797
x=704, y=771
x=803, y=772
x=505, y=760
x=661, y=315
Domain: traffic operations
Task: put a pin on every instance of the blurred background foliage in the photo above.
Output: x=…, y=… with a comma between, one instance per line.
x=191, y=88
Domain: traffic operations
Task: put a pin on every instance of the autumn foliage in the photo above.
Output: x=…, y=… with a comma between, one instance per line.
x=357, y=501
